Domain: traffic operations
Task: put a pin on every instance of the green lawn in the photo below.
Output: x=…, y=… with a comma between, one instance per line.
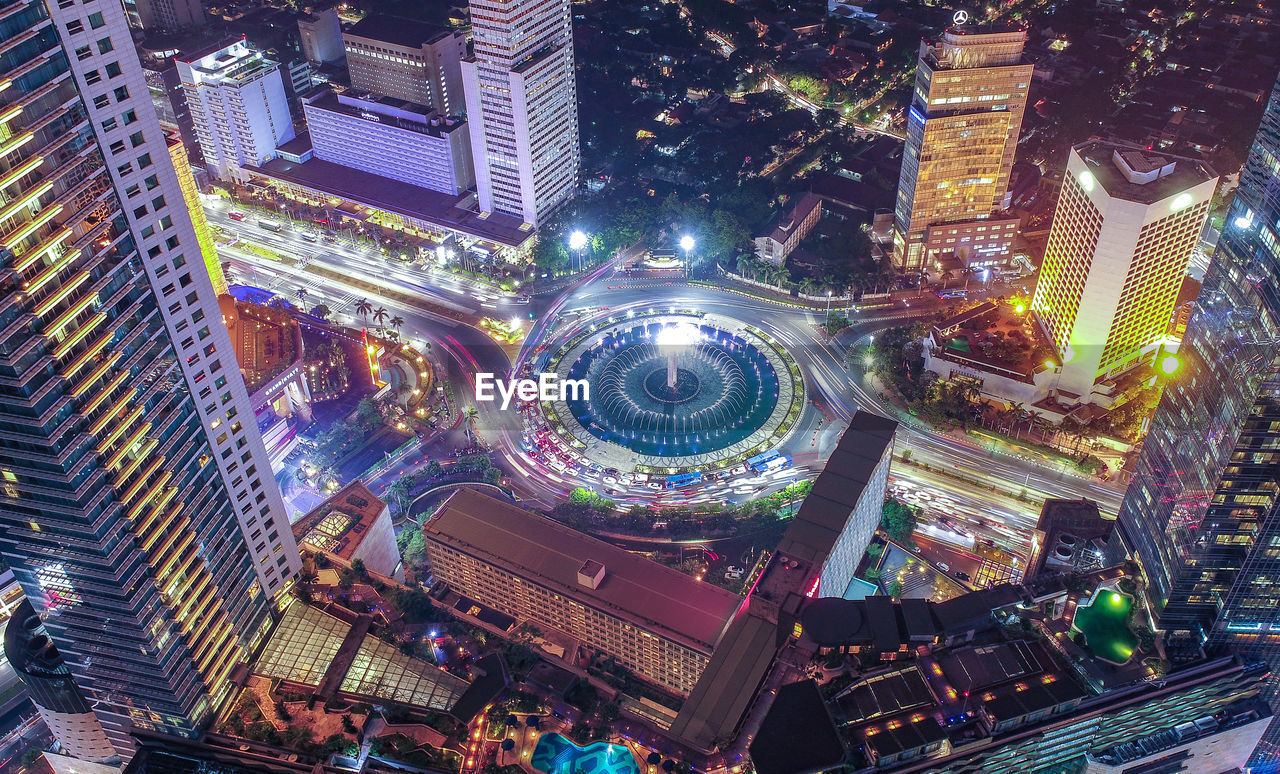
x=1105, y=625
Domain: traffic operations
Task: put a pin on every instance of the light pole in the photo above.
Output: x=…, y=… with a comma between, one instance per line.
x=577, y=241
x=828, y=304
x=686, y=243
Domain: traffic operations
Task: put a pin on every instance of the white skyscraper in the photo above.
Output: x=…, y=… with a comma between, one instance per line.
x=522, y=106
x=238, y=105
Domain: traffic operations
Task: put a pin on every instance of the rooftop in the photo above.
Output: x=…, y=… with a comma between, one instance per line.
x=659, y=598
x=783, y=224
x=836, y=491
x=369, y=190
x=338, y=524
x=397, y=30
x=1099, y=157
x=797, y=736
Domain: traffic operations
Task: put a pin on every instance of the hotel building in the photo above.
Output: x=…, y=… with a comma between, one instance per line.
x=522, y=106
x=238, y=105
x=137, y=508
x=1122, y=235
x=391, y=138
x=962, y=133
x=657, y=622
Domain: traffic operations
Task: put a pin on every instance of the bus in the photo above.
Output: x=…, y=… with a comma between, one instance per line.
x=270, y=226
x=780, y=462
x=683, y=480
x=758, y=462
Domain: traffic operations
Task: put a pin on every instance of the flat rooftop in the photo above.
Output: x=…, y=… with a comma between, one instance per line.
x=1187, y=172
x=338, y=525
x=382, y=193
x=657, y=598
x=397, y=30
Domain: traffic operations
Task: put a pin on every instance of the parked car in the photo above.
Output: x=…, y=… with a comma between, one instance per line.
x=944, y=567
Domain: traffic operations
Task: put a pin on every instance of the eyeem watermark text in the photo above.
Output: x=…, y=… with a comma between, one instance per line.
x=547, y=387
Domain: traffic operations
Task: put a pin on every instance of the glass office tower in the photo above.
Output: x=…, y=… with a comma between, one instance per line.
x=137, y=507
x=1201, y=513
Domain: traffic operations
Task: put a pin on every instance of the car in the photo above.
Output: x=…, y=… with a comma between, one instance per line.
x=236, y=216
x=944, y=567
x=612, y=472
x=329, y=240
x=522, y=299
x=610, y=480
x=654, y=485
x=916, y=549
x=738, y=471
x=308, y=237
x=964, y=576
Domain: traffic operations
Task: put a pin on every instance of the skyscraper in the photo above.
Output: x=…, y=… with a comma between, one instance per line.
x=1201, y=513
x=137, y=507
x=1117, y=253
x=522, y=106
x=238, y=104
x=170, y=15
x=962, y=132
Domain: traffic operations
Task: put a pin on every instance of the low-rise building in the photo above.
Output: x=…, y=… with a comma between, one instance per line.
x=787, y=229
x=354, y=524
x=657, y=622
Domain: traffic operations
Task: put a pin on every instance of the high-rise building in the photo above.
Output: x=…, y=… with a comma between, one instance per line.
x=962, y=132
x=1202, y=514
x=321, y=36
x=522, y=106
x=1122, y=235
x=391, y=138
x=407, y=59
x=137, y=507
x=169, y=15
x=59, y=701
x=238, y=105
x=191, y=196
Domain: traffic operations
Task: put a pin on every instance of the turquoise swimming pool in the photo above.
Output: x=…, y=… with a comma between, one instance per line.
x=557, y=755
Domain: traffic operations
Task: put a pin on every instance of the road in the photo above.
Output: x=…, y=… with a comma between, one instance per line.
x=996, y=495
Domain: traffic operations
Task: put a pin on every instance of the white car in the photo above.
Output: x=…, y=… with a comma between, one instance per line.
x=654, y=485
x=944, y=567
x=609, y=480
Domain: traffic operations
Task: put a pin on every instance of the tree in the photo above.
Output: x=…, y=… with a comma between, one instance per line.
x=322, y=311
x=898, y=520
x=894, y=589
x=469, y=416
x=397, y=322
x=363, y=308
x=380, y=316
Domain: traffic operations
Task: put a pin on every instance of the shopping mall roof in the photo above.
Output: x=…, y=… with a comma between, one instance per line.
x=339, y=524
x=657, y=598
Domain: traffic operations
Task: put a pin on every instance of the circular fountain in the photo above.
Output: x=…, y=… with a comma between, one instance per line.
x=674, y=390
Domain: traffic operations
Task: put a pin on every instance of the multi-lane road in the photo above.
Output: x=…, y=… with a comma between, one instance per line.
x=988, y=493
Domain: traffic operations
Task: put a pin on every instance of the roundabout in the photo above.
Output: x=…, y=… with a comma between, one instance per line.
x=673, y=392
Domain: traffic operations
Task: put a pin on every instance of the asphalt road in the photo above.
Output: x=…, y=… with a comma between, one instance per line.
x=441, y=309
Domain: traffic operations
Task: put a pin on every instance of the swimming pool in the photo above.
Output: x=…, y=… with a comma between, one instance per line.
x=557, y=755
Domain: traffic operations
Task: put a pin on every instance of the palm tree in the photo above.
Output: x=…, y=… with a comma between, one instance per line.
x=469, y=415
x=1036, y=421
x=380, y=316
x=302, y=296
x=363, y=308
x=397, y=322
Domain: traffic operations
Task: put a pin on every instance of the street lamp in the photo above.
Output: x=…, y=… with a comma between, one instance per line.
x=577, y=241
x=828, y=304
x=686, y=244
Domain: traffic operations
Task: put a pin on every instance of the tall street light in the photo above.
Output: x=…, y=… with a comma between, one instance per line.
x=686, y=244
x=577, y=241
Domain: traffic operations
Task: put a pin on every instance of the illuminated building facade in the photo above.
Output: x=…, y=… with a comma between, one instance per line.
x=239, y=107
x=137, y=508
x=962, y=132
x=657, y=622
x=407, y=59
x=522, y=106
x=191, y=195
x=1122, y=235
x=1201, y=514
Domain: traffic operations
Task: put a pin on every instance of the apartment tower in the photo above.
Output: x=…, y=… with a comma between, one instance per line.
x=522, y=106
x=137, y=508
x=1202, y=514
x=962, y=132
x=1122, y=235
